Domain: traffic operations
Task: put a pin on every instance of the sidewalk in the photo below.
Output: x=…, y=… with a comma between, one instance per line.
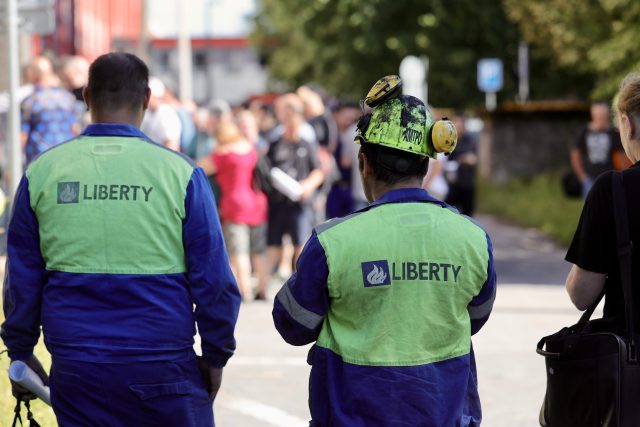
x=531, y=302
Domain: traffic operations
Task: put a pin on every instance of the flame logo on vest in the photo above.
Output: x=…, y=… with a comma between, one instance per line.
x=377, y=276
x=68, y=192
x=376, y=273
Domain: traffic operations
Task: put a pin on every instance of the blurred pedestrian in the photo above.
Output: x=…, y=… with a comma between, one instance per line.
x=74, y=73
x=49, y=114
x=319, y=117
x=460, y=169
x=434, y=181
x=326, y=136
x=594, y=150
x=392, y=294
x=248, y=126
x=340, y=200
x=220, y=113
x=161, y=122
x=297, y=158
x=184, y=108
x=202, y=143
x=243, y=208
x=594, y=249
x=112, y=242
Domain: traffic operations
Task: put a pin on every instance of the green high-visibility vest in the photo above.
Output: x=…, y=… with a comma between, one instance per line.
x=400, y=278
x=116, y=212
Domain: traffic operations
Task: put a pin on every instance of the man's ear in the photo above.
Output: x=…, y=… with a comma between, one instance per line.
x=86, y=97
x=364, y=164
x=147, y=97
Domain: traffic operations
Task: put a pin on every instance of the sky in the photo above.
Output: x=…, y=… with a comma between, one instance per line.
x=219, y=18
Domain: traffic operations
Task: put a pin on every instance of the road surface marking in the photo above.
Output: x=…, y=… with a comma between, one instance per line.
x=260, y=411
x=268, y=361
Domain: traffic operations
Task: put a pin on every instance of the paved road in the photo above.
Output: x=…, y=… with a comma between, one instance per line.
x=265, y=383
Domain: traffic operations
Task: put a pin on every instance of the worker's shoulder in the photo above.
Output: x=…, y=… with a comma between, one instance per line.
x=466, y=224
x=57, y=152
x=168, y=154
x=448, y=216
x=142, y=149
x=333, y=222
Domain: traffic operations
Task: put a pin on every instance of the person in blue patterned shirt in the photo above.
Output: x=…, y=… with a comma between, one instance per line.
x=49, y=115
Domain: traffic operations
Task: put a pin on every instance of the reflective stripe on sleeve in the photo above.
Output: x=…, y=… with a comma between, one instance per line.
x=483, y=310
x=306, y=318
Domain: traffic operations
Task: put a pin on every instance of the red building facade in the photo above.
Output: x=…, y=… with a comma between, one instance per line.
x=90, y=27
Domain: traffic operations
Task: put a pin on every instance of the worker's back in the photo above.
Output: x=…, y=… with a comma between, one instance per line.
x=110, y=207
x=397, y=337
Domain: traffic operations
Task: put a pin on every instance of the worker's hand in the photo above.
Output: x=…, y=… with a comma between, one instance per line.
x=212, y=378
x=307, y=190
x=22, y=393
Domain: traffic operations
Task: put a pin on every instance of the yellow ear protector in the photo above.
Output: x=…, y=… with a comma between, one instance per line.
x=444, y=136
x=385, y=88
x=403, y=122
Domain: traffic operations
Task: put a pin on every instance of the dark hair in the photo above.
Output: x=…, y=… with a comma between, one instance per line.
x=392, y=166
x=118, y=80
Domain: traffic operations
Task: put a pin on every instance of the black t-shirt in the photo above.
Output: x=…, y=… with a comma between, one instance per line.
x=466, y=173
x=296, y=159
x=597, y=150
x=326, y=131
x=594, y=245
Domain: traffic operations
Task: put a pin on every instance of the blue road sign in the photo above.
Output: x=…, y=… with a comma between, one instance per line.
x=490, y=75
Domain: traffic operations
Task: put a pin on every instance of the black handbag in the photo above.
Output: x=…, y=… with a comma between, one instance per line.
x=571, y=185
x=593, y=375
x=262, y=175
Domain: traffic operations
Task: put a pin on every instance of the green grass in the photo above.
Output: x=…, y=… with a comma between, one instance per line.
x=41, y=412
x=536, y=202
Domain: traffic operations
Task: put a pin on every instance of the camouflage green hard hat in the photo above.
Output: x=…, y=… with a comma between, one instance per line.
x=403, y=122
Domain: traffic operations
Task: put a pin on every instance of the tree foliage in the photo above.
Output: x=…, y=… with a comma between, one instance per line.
x=346, y=45
x=596, y=37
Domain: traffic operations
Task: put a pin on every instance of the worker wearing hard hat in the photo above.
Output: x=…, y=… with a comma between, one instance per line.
x=392, y=293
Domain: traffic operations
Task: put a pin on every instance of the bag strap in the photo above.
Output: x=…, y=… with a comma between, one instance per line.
x=589, y=311
x=18, y=418
x=625, y=248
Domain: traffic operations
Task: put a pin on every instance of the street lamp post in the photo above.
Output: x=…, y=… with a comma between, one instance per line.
x=13, y=134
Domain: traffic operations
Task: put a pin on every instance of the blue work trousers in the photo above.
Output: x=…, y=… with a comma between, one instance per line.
x=156, y=394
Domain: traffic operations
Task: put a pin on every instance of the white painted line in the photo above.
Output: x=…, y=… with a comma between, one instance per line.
x=260, y=411
x=268, y=361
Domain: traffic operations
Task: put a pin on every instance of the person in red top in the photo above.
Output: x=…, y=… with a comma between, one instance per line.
x=243, y=209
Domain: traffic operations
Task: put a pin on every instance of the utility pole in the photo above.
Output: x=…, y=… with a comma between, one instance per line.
x=185, y=73
x=143, y=41
x=13, y=134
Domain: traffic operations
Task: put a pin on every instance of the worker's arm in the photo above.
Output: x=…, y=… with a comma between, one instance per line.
x=25, y=278
x=311, y=183
x=211, y=282
x=316, y=176
x=481, y=305
x=25, y=121
x=576, y=164
x=24, y=137
x=584, y=286
x=207, y=164
x=302, y=303
x=171, y=127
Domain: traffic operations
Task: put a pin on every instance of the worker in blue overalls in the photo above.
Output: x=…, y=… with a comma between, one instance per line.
x=112, y=241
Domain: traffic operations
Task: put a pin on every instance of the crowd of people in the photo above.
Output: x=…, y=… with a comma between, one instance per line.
x=306, y=134
x=116, y=251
